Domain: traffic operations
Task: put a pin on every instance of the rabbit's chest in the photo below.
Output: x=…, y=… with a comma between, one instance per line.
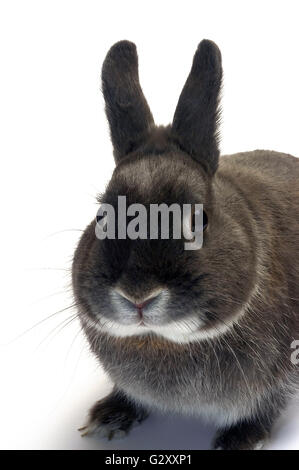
x=184, y=382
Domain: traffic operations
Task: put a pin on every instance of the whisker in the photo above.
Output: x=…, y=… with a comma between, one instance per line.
x=57, y=329
x=48, y=269
x=49, y=296
x=63, y=231
x=72, y=344
x=40, y=323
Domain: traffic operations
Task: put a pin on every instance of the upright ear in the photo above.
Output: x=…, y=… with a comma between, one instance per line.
x=196, y=117
x=127, y=110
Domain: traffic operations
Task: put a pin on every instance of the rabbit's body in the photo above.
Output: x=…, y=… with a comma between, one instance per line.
x=232, y=376
x=206, y=332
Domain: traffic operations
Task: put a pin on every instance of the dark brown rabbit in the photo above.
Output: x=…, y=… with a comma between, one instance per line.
x=205, y=331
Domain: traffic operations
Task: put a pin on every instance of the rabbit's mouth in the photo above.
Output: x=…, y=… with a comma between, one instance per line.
x=190, y=329
x=181, y=331
x=144, y=310
x=155, y=313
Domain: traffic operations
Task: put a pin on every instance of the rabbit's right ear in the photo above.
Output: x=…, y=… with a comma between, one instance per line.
x=127, y=111
x=195, y=121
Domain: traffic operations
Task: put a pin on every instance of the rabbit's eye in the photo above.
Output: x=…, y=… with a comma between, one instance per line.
x=204, y=221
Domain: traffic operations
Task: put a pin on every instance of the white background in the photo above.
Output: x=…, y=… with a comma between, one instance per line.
x=56, y=156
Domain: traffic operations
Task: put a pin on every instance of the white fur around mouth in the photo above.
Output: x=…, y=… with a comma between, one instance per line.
x=184, y=331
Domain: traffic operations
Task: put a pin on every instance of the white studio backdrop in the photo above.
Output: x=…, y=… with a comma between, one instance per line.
x=56, y=157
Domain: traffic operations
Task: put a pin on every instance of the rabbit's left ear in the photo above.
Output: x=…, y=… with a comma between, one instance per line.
x=127, y=111
x=195, y=121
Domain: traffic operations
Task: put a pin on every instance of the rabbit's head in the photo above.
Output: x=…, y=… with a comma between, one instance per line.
x=147, y=285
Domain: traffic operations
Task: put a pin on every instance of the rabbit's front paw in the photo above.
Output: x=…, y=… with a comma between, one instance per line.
x=113, y=417
x=241, y=437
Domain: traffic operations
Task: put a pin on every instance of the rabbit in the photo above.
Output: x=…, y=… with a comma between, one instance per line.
x=204, y=332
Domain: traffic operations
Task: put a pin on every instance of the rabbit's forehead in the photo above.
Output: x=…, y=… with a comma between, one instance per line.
x=160, y=175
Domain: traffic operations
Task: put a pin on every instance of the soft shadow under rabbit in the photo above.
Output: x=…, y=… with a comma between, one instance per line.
x=205, y=331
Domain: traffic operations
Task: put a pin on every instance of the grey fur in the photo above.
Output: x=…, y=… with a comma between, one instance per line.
x=243, y=285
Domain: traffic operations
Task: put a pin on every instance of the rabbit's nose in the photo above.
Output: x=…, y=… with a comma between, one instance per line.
x=140, y=303
x=140, y=306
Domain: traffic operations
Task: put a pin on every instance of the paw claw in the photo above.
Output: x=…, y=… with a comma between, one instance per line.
x=86, y=430
x=259, y=445
x=102, y=430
